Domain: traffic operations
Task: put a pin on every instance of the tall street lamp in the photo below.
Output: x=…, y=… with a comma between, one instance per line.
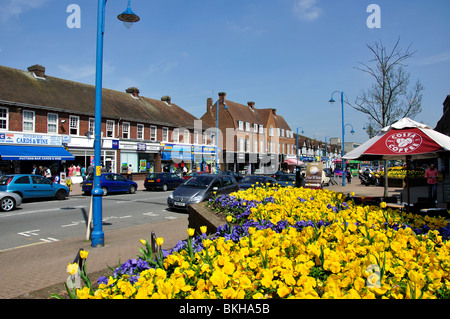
x=217, y=132
x=97, y=236
x=343, y=132
x=297, y=141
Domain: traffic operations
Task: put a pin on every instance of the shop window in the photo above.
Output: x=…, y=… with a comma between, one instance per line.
x=74, y=122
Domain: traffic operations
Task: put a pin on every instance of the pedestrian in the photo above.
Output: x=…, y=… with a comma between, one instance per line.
x=130, y=173
x=34, y=169
x=348, y=173
x=432, y=174
x=83, y=173
x=47, y=173
x=90, y=171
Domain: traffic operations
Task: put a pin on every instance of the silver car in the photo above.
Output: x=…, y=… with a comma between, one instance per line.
x=9, y=201
x=200, y=188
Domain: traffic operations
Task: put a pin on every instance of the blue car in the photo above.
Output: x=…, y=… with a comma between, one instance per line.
x=110, y=183
x=32, y=186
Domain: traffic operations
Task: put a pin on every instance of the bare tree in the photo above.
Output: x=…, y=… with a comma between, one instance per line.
x=390, y=97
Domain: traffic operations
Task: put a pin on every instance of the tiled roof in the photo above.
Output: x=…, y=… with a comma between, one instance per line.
x=22, y=87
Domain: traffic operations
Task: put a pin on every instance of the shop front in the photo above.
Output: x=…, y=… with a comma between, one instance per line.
x=19, y=152
x=143, y=157
x=176, y=158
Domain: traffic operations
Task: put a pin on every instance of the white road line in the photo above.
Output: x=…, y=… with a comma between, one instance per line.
x=49, y=239
x=29, y=233
x=128, y=216
x=151, y=214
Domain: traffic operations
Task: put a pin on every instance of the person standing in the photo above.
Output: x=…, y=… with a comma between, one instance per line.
x=130, y=173
x=348, y=174
x=83, y=173
x=432, y=174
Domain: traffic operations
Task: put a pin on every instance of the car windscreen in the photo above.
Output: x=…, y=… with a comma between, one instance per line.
x=199, y=181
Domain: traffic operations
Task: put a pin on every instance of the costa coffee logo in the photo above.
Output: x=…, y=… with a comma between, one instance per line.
x=403, y=143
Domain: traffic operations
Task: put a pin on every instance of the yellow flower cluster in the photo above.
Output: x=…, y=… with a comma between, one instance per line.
x=355, y=255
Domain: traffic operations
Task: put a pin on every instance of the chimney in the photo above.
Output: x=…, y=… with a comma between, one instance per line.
x=222, y=96
x=251, y=105
x=274, y=112
x=166, y=99
x=38, y=70
x=133, y=91
x=209, y=103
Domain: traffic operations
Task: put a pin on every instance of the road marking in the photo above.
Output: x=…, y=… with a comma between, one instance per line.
x=29, y=233
x=74, y=223
x=128, y=216
x=171, y=217
x=49, y=239
x=151, y=214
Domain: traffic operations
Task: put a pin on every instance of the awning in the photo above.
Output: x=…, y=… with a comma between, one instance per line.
x=34, y=153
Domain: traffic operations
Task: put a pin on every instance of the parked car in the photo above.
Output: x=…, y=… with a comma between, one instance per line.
x=188, y=176
x=110, y=183
x=162, y=181
x=32, y=186
x=256, y=181
x=200, y=188
x=286, y=180
x=9, y=201
x=236, y=176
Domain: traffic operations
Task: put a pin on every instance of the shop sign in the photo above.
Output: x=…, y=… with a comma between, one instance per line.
x=30, y=139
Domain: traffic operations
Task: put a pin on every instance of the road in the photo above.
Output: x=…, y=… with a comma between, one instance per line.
x=51, y=220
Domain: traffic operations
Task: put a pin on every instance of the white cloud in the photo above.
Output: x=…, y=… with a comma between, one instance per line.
x=14, y=8
x=162, y=67
x=307, y=10
x=437, y=58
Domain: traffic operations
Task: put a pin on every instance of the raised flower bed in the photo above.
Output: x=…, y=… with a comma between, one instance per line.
x=293, y=243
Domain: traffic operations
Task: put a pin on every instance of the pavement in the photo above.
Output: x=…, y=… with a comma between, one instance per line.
x=38, y=270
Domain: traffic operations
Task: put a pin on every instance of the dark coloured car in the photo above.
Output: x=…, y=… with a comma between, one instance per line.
x=200, y=188
x=236, y=176
x=110, y=183
x=32, y=186
x=286, y=180
x=162, y=181
x=257, y=181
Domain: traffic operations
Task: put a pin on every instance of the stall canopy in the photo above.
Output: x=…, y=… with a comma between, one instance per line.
x=403, y=140
x=34, y=153
x=293, y=161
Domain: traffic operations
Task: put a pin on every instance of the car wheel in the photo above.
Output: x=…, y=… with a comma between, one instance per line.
x=164, y=187
x=61, y=194
x=132, y=189
x=105, y=191
x=7, y=204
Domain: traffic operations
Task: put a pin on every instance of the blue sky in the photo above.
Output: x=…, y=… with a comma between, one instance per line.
x=285, y=54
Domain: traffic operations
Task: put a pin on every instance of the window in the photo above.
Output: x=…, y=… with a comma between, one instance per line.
x=109, y=128
x=74, y=125
x=261, y=129
x=176, y=135
x=92, y=126
x=52, y=123
x=241, y=125
x=125, y=130
x=140, y=132
x=255, y=146
x=271, y=130
x=205, y=139
x=255, y=128
x=282, y=132
x=28, y=121
x=3, y=118
x=195, y=137
x=247, y=126
x=241, y=144
x=23, y=180
x=152, y=133
x=165, y=134
x=247, y=145
x=186, y=137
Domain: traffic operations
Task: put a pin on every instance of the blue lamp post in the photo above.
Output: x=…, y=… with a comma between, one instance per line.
x=97, y=236
x=217, y=132
x=343, y=132
x=297, y=141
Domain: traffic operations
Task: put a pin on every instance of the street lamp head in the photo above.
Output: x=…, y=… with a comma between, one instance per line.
x=331, y=100
x=225, y=106
x=128, y=17
x=352, y=132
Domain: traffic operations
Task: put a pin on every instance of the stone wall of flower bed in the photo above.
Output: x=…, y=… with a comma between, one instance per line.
x=200, y=215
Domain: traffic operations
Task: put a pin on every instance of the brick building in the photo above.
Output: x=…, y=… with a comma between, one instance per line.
x=36, y=109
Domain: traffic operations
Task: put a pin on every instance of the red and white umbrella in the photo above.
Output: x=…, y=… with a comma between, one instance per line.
x=405, y=139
